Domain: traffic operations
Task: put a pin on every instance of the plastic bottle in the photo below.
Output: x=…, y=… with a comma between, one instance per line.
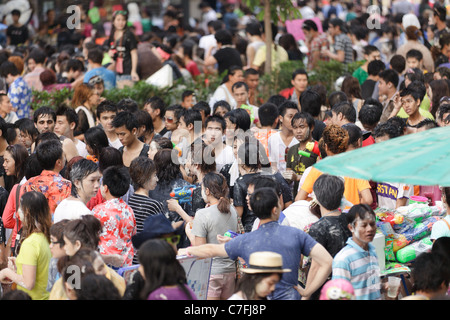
x=413, y=250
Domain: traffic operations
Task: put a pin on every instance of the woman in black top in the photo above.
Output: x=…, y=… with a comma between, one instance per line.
x=123, y=48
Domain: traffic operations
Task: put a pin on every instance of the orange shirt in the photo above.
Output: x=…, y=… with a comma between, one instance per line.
x=352, y=186
x=263, y=136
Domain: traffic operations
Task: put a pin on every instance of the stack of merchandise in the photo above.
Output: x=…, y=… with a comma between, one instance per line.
x=407, y=230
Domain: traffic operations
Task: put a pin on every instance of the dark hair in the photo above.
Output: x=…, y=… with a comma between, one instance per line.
x=95, y=55
x=265, y=181
x=36, y=212
x=27, y=126
x=7, y=67
x=439, y=11
x=145, y=120
x=109, y=156
x=262, y=202
x=250, y=71
x=127, y=104
x=157, y=103
x=398, y=63
x=361, y=211
x=386, y=128
x=346, y=109
x=310, y=25
x=48, y=152
x=217, y=185
x=429, y=272
x=74, y=64
x=253, y=28
x=238, y=85
x=190, y=116
x=297, y=72
x=427, y=124
x=329, y=191
x=267, y=114
x=370, y=49
x=96, y=139
x=57, y=230
x=305, y=116
x=69, y=113
x=117, y=179
x=223, y=104
x=127, y=119
x=354, y=134
x=20, y=154
x=351, y=87
x=390, y=75
x=439, y=89
x=141, y=170
x=224, y=37
x=105, y=106
x=218, y=119
x=248, y=282
x=97, y=287
x=38, y=55
x=288, y=104
x=410, y=91
x=370, y=113
x=202, y=106
x=276, y=99
x=80, y=170
x=311, y=102
x=43, y=111
x=65, y=267
x=443, y=109
x=336, y=97
x=375, y=67
x=32, y=167
x=413, y=53
x=250, y=153
x=161, y=267
x=167, y=170
x=240, y=118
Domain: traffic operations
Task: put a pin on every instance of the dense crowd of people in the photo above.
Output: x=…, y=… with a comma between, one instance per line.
x=95, y=185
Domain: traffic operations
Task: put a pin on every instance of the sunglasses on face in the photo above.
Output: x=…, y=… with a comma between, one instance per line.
x=169, y=120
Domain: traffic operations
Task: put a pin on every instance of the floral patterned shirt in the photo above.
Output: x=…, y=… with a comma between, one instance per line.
x=118, y=226
x=20, y=95
x=52, y=185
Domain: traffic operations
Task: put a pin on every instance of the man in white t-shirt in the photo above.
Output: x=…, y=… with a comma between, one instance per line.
x=240, y=92
x=280, y=142
x=106, y=111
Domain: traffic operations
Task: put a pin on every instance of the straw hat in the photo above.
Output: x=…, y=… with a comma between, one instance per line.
x=265, y=262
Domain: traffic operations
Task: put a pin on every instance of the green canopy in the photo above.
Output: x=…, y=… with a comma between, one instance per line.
x=421, y=158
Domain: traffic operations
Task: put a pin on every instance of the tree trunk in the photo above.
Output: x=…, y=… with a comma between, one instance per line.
x=268, y=34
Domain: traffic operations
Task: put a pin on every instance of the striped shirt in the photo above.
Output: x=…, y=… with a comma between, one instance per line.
x=361, y=268
x=143, y=207
x=343, y=43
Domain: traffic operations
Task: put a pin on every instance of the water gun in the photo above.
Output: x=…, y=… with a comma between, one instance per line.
x=311, y=147
x=412, y=251
x=183, y=194
x=230, y=234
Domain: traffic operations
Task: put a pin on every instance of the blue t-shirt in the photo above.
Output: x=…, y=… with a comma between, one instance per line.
x=290, y=242
x=108, y=76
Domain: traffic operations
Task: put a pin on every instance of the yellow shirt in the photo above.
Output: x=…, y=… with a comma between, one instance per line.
x=35, y=251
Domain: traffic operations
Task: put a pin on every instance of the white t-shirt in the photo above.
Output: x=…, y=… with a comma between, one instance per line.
x=222, y=93
x=70, y=209
x=440, y=229
x=81, y=147
x=207, y=42
x=225, y=157
x=299, y=216
x=388, y=193
x=115, y=144
x=277, y=150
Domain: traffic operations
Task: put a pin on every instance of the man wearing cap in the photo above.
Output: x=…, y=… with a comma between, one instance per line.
x=291, y=243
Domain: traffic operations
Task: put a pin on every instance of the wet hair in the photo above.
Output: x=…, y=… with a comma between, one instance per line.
x=217, y=185
x=105, y=106
x=305, y=116
x=329, y=191
x=346, y=109
x=167, y=170
x=336, y=138
x=361, y=211
x=157, y=103
x=386, y=128
x=69, y=113
x=141, y=170
x=80, y=170
x=127, y=119
x=427, y=124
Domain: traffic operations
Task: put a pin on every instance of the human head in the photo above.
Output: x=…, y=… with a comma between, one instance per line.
x=66, y=121
x=221, y=107
x=27, y=131
x=82, y=233
x=437, y=90
x=371, y=53
x=143, y=173
x=119, y=19
x=262, y=181
x=47, y=77
x=127, y=104
x=126, y=126
x=74, y=69
x=105, y=112
x=187, y=99
x=98, y=83
x=57, y=238
x=97, y=287
x=355, y=137
x=351, y=88
x=375, y=67
x=95, y=56
x=329, y=190
x=85, y=178
x=431, y=275
x=411, y=100
x=439, y=12
x=214, y=185
x=336, y=26
x=370, y=114
x=443, y=114
x=215, y=127
x=116, y=181
x=385, y=131
x=240, y=92
x=109, y=157
x=398, y=63
x=204, y=109
x=9, y=71
x=311, y=102
x=50, y=155
x=302, y=126
x=343, y=113
x=388, y=82
x=362, y=223
x=265, y=204
x=268, y=115
x=310, y=29
x=44, y=119
x=426, y=124
x=167, y=170
x=223, y=37
x=251, y=78
x=299, y=80
x=414, y=59
x=250, y=154
x=14, y=160
x=172, y=117
x=336, y=97
x=286, y=112
x=155, y=106
x=35, y=214
x=85, y=95
x=237, y=119
x=335, y=139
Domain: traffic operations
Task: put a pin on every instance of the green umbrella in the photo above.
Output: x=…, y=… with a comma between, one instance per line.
x=421, y=158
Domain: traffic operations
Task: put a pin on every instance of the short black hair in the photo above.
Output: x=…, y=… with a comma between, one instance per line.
x=354, y=134
x=127, y=104
x=224, y=37
x=240, y=118
x=386, y=128
x=329, y=191
x=26, y=125
x=299, y=71
x=411, y=91
x=336, y=97
x=391, y=76
x=190, y=116
x=370, y=113
x=276, y=99
x=375, y=67
x=311, y=102
x=69, y=113
x=430, y=271
x=117, y=179
x=38, y=55
x=267, y=113
x=346, y=109
x=307, y=117
x=253, y=28
x=369, y=49
x=186, y=93
x=443, y=109
x=310, y=25
x=250, y=71
x=95, y=55
x=43, y=111
x=223, y=104
x=48, y=152
x=145, y=120
x=265, y=181
x=216, y=118
x=288, y=104
x=75, y=65
x=7, y=67
x=263, y=201
x=238, y=85
x=127, y=119
x=413, y=53
x=105, y=106
x=361, y=211
x=398, y=63
x=157, y=103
